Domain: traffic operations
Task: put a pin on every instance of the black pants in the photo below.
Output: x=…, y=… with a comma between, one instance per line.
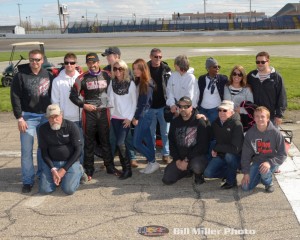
x=93, y=122
x=172, y=174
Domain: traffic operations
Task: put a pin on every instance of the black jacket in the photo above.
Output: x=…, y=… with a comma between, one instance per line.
x=188, y=139
x=269, y=93
x=30, y=92
x=229, y=136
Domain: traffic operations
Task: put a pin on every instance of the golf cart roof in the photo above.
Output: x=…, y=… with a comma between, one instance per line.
x=27, y=43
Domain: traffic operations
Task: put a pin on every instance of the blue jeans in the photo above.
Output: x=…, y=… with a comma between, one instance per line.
x=158, y=115
x=69, y=183
x=142, y=139
x=130, y=151
x=82, y=140
x=211, y=114
x=256, y=177
x=223, y=167
x=34, y=121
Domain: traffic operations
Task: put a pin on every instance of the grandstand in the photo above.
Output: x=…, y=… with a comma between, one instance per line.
x=286, y=18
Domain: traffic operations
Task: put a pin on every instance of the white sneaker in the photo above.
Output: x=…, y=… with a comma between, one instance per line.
x=143, y=170
x=151, y=167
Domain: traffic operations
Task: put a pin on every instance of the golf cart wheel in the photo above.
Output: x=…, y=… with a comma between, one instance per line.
x=6, y=81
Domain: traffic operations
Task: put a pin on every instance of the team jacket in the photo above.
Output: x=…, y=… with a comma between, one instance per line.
x=30, y=92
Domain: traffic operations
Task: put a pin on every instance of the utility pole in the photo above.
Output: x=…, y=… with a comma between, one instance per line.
x=204, y=12
x=19, y=13
x=250, y=12
x=59, y=14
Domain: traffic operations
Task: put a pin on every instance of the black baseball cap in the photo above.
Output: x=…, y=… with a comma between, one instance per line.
x=111, y=50
x=92, y=57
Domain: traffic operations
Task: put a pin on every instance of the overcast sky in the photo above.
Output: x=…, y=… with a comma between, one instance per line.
x=45, y=10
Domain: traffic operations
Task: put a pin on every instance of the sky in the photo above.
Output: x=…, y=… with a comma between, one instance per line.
x=45, y=11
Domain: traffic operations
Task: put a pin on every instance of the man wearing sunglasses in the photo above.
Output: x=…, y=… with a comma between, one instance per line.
x=160, y=73
x=61, y=88
x=92, y=87
x=189, y=139
x=30, y=97
x=227, y=129
x=268, y=88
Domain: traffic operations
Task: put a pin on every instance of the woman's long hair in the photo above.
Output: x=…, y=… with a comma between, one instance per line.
x=145, y=77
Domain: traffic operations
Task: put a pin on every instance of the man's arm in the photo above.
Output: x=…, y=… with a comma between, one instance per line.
x=281, y=99
x=172, y=143
x=16, y=95
x=75, y=92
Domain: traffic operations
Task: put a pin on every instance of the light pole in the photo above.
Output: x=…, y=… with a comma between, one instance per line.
x=204, y=13
x=250, y=12
x=59, y=14
x=19, y=13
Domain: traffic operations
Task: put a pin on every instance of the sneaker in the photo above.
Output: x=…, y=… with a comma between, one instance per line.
x=26, y=188
x=151, y=167
x=84, y=178
x=269, y=189
x=166, y=159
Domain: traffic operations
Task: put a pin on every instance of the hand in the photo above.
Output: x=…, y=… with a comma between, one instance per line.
x=214, y=153
x=264, y=167
x=56, y=177
x=61, y=172
x=135, y=122
x=174, y=109
x=22, y=125
x=89, y=107
x=238, y=109
x=277, y=121
x=126, y=123
x=182, y=164
x=245, y=179
x=198, y=116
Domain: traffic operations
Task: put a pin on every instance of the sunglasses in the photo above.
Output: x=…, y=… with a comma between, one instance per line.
x=222, y=110
x=216, y=67
x=71, y=63
x=118, y=69
x=183, y=106
x=261, y=62
x=160, y=57
x=237, y=74
x=34, y=59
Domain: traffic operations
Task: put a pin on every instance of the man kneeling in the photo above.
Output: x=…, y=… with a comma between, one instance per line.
x=60, y=143
x=188, y=141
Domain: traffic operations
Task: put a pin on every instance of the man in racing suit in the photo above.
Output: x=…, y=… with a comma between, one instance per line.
x=92, y=86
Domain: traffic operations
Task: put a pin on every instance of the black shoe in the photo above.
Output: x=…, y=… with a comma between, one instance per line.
x=26, y=188
x=269, y=189
x=113, y=170
x=199, y=179
x=125, y=174
x=227, y=185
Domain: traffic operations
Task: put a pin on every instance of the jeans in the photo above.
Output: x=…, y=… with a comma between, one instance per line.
x=120, y=134
x=69, y=183
x=128, y=143
x=82, y=140
x=256, y=177
x=158, y=115
x=34, y=121
x=223, y=167
x=211, y=114
x=142, y=139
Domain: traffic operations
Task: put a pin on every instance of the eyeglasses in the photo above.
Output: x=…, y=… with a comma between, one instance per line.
x=216, y=67
x=183, y=106
x=222, y=110
x=71, y=63
x=160, y=57
x=118, y=69
x=34, y=59
x=261, y=62
x=237, y=74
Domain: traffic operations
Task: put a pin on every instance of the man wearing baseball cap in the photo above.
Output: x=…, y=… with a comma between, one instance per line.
x=60, y=143
x=92, y=86
x=188, y=141
x=227, y=129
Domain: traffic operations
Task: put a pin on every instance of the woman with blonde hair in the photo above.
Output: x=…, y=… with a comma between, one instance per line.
x=142, y=139
x=122, y=96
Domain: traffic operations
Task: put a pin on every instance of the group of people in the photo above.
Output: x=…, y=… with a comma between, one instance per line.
x=119, y=109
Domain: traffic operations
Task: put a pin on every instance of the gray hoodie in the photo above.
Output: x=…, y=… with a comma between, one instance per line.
x=263, y=146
